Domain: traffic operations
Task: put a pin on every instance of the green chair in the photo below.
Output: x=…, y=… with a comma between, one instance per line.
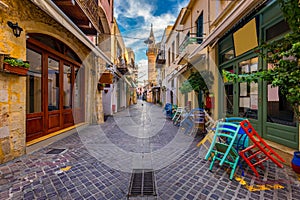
x=221, y=150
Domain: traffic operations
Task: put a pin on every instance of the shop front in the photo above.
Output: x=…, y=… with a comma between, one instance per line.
x=265, y=106
x=54, y=86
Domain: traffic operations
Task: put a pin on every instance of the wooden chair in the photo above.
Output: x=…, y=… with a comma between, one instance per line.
x=242, y=140
x=259, y=152
x=221, y=150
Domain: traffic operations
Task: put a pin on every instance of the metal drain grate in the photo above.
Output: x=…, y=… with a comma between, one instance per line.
x=56, y=151
x=142, y=183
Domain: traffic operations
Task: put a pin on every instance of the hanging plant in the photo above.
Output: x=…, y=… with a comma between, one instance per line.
x=197, y=81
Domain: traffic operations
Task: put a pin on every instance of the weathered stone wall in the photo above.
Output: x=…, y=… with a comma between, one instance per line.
x=13, y=88
x=12, y=116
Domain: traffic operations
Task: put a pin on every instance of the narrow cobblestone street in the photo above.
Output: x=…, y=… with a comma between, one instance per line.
x=98, y=161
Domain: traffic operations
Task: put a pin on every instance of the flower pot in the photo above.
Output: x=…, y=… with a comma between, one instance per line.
x=15, y=70
x=296, y=162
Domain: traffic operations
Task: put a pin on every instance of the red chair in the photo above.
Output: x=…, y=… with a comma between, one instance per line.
x=259, y=152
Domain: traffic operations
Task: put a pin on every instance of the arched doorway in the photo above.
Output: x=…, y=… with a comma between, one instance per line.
x=54, y=87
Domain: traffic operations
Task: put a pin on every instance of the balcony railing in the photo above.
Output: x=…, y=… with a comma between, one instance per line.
x=188, y=41
x=91, y=7
x=84, y=13
x=160, y=59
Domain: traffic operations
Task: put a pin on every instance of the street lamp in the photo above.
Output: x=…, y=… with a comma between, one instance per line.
x=16, y=28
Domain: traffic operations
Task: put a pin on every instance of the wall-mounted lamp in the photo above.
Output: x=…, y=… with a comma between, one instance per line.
x=16, y=28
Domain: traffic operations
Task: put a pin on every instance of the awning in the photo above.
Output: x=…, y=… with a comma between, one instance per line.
x=241, y=9
x=49, y=7
x=106, y=77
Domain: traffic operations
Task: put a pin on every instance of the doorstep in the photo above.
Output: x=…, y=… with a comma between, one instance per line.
x=43, y=141
x=285, y=152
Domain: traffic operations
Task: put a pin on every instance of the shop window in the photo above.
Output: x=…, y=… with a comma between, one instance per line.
x=53, y=84
x=226, y=50
x=278, y=108
x=34, y=82
x=277, y=30
x=78, y=88
x=55, y=45
x=228, y=94
x=228, y=55
x=67, y=88
x=248, y=92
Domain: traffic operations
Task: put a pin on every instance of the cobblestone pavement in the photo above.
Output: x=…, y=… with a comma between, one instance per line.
x=98, y=160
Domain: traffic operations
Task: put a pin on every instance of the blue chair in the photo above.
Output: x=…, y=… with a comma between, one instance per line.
x=198, y=119
x=242, y=140
x=168, y=110
x=187, y=124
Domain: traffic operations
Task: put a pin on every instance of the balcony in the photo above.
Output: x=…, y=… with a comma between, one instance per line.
x=122, y=66
x=190, y=43
x=83, y=13
x=160, y=59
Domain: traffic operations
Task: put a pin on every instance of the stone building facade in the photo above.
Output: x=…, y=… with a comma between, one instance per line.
x=51, y=38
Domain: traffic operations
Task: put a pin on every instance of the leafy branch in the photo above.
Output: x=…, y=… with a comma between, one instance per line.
x=197, y=81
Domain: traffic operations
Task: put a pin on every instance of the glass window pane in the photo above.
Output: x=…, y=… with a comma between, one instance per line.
x=279, y=109
x=276, y=30
x=34, y=82
x=228, y=55
x=67, y=86
x=248, y=92
x=77, y=88
x=53, y=84
x=228, y=95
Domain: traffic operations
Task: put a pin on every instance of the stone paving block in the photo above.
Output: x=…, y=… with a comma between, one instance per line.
x=38, y=175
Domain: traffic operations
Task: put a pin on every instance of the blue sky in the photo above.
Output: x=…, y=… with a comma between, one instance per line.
x=134, y=18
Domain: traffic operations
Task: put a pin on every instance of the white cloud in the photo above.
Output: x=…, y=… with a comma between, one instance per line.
x=142, y=12
x=143, y=70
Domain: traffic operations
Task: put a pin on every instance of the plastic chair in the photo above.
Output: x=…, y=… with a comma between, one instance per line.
x=178, y=115
x=168, y=110
x=198, y=117
x=186, y=124
x=205, y=143
x=242, y=140
x=221, y=150
x=259, y=152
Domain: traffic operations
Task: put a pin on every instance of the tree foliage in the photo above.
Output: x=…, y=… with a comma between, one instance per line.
x=197, y=81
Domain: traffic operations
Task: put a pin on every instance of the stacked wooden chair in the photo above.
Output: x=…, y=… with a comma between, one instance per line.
x=180, y=111
x=242, y=140
x=259, y=152
x=222, y=146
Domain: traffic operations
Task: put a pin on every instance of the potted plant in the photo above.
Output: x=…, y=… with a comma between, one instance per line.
x=100, y=86
x=15, y=66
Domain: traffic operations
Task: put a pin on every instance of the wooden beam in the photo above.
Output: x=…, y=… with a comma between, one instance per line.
x=65, y=3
